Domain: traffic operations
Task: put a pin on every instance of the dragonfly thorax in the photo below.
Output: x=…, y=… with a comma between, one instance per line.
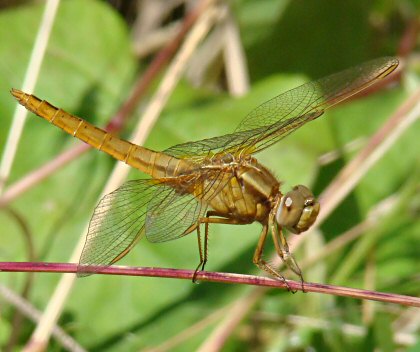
x=298, y=210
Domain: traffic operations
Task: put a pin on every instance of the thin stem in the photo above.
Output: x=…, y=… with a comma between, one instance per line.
x=227, y=278
x=34, y=66
x=377, y=146
x=235, y=60
x=237, y=311
x=30, y=312
x=18, y=315
x=187, y=333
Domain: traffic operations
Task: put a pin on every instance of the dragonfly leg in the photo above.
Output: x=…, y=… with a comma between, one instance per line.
x=209, y=218
x=200, y=251
x=261, y=263
x=282, y=249
x=200, y=248
x=206, y=245
x=203, y=258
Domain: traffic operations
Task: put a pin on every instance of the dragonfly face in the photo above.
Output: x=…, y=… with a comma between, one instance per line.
x=298, y=210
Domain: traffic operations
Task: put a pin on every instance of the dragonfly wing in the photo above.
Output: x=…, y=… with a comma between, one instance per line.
x=118, y=222
x=198, y=150
x=171, y=216
x=278, y=117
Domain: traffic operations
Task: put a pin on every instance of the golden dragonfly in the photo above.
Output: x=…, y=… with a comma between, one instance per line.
x=211, y=181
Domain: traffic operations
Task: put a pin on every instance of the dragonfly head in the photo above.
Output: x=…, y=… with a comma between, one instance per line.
x=298, y=210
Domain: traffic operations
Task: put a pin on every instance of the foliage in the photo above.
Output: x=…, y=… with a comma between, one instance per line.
x=89, y=68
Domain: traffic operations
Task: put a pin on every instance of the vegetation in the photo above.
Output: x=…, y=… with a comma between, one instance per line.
x=370, y=239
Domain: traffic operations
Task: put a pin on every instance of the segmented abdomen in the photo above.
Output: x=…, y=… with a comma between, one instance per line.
x=156, y=164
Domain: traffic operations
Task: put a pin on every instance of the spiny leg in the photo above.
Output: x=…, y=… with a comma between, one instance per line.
x=206, y=244
x=200, y=251
x=282, y=249
x=261, y=263
x=203, y=259
x=207, y=220
x=193, y=227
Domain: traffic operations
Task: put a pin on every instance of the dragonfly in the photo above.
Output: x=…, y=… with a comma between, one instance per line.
x=211, y=181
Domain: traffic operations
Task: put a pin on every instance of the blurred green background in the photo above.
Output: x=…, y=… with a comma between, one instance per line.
x=89, y=69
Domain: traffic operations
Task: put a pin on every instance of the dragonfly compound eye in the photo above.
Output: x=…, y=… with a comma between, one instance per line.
x=298, y=210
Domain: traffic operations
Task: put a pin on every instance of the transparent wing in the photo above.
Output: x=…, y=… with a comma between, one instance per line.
x=118, y=221
x=170, y=216
x=278, y=117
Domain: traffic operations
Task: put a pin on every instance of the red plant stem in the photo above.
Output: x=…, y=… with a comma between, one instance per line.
x=32, y=179
x=213, y=277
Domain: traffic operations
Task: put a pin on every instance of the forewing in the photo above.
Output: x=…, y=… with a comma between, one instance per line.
x=118, y=221
x=278, y=117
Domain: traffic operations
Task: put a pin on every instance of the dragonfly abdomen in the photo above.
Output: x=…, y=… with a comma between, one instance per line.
x=156, y=164
x=153, y=163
